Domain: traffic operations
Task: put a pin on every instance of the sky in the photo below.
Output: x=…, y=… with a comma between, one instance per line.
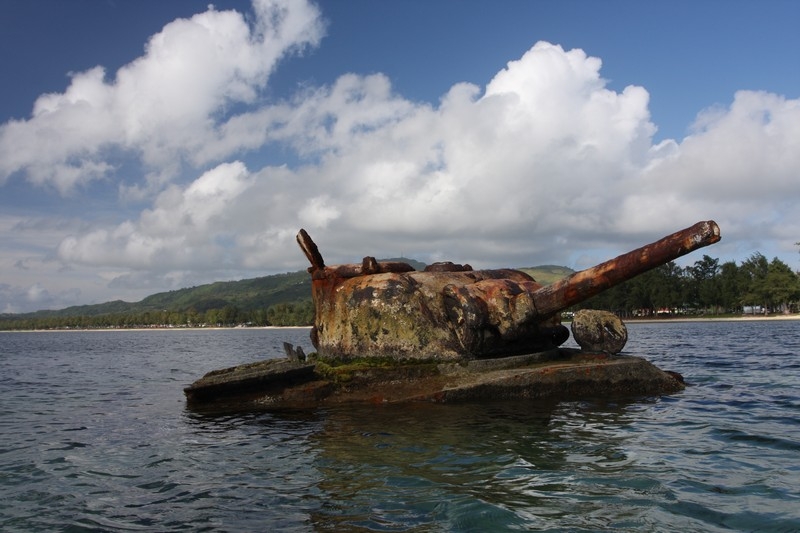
x=152, y=146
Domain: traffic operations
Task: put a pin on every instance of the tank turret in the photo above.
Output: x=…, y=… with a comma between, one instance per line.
x=450, y=312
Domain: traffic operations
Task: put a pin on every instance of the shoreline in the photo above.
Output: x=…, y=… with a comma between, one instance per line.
x=759, y=318
x=214, y=328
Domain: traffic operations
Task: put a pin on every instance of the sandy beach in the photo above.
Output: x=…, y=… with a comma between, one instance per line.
x=743, y=318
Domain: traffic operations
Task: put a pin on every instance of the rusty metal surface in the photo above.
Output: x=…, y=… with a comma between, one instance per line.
x=398, y=315
x=599, y=331
x=584, y=284
x=451, y=312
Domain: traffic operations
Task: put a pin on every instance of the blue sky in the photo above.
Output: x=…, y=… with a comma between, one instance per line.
x=147, y=146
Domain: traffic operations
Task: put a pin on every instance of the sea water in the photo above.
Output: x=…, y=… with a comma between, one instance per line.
x=95, y=435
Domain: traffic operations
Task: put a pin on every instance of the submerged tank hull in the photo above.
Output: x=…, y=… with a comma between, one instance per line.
x=385, y=333
x=559, y=374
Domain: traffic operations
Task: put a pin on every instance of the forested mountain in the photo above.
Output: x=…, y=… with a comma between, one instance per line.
x=547, y=274
x=246, y=294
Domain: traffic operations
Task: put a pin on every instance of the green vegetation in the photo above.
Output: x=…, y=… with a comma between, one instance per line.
x=547, y=274
x=757, y=285
x=280, y=300
x=373, y=368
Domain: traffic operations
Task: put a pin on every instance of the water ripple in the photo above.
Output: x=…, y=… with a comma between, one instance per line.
x=94, y=436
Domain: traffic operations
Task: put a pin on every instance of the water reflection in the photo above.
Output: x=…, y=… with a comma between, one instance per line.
x=461, y=467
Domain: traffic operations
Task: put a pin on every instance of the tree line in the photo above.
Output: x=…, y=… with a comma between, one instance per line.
x=299, y=313
x=756, y=286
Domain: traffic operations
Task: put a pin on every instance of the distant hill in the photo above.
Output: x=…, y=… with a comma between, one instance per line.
x=246, y=295
x=547, y=274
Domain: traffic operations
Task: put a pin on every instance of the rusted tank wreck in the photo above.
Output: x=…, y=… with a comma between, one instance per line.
x=385, y=332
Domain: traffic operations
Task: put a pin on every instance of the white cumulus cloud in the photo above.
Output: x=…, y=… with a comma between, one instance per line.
x=542, y=161
x=186, y=227
x=161, y=107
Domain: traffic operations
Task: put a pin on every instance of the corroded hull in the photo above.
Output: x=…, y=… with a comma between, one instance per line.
x=556, y=374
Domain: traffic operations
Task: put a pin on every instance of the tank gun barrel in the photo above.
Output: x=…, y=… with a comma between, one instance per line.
x=587, y=283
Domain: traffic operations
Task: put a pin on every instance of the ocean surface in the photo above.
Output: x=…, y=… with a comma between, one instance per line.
x=95, y=436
